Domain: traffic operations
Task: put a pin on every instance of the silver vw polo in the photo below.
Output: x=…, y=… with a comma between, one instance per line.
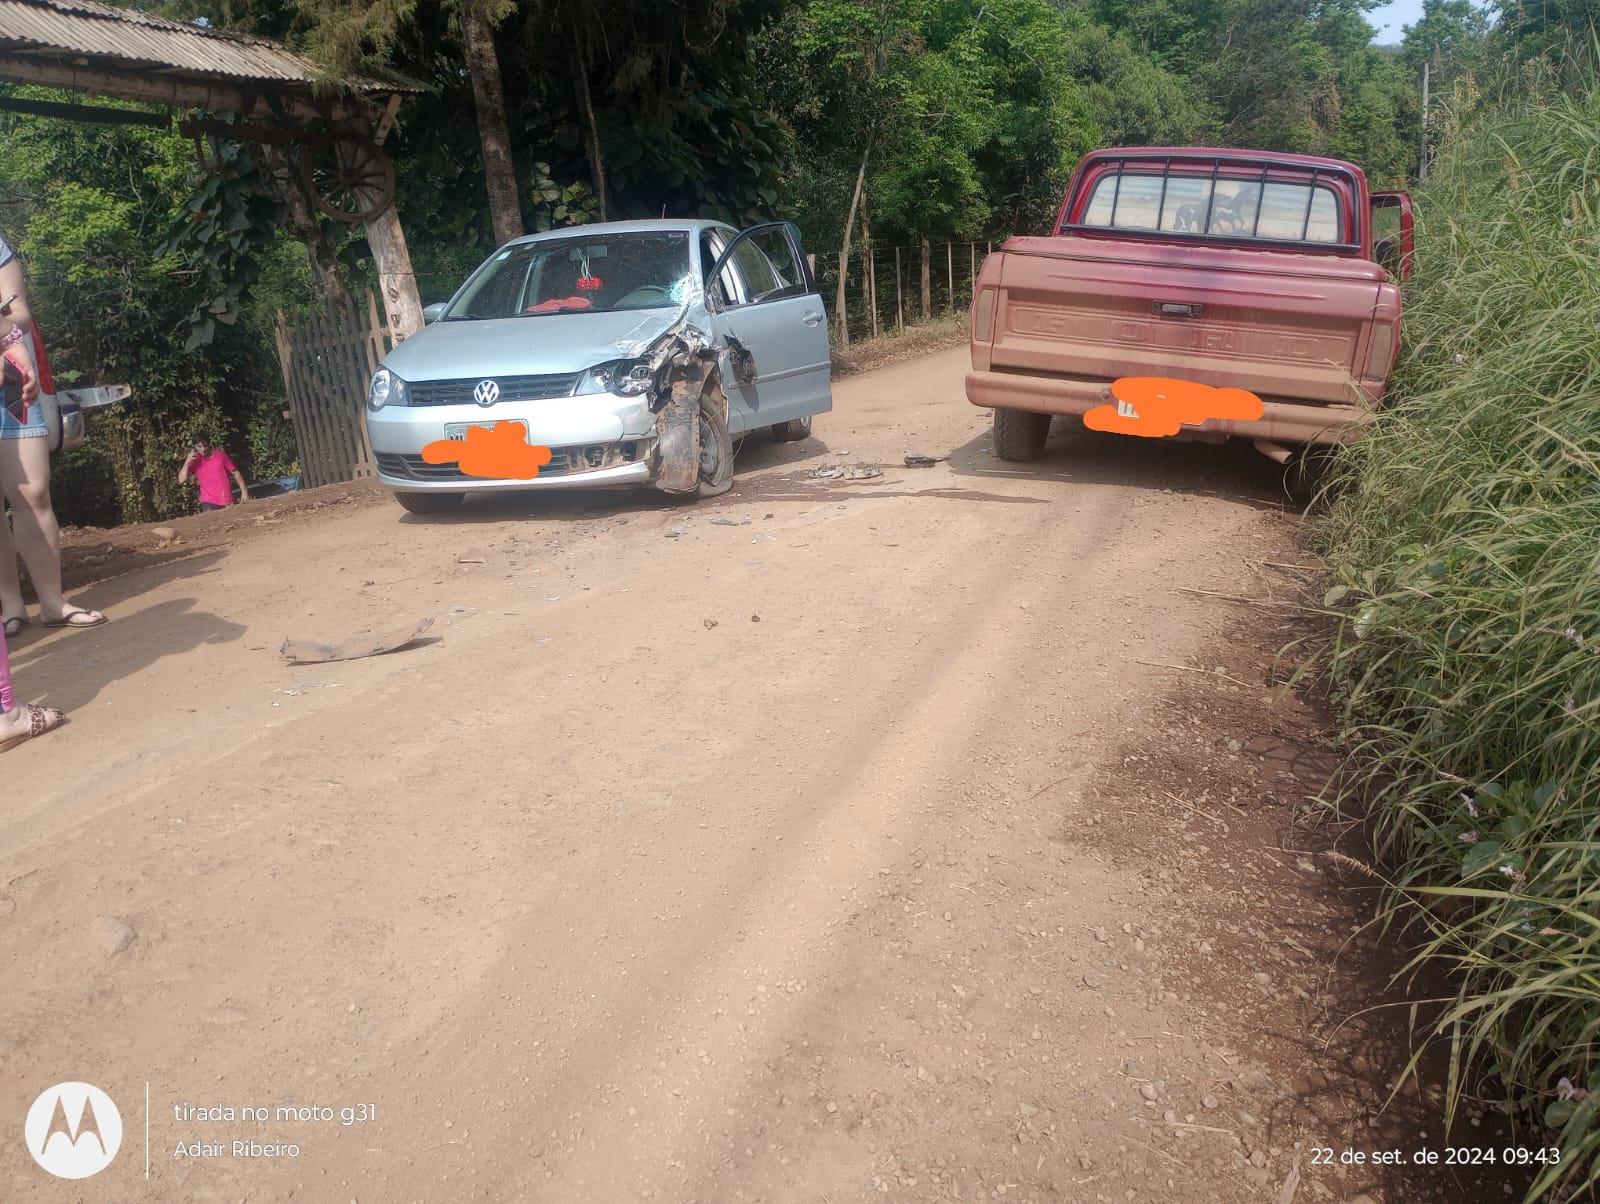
x=555, y=332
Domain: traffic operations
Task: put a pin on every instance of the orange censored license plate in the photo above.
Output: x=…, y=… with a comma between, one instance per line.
x=1155, y=406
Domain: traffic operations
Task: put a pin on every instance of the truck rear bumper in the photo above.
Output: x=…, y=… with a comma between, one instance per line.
x=1285, y=421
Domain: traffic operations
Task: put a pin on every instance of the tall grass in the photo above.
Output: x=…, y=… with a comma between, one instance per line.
x=1465, y=552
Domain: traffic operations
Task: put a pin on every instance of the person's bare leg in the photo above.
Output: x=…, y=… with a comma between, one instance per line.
x=11, y=603
x=19, y=723
x=25, y=480
x=13, y=719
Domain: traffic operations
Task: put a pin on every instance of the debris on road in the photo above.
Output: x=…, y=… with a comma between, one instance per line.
x=308, y=652
x=730, y=522
x=917, y=460
x=846, y=472
x=307, y=687
x=709, y=623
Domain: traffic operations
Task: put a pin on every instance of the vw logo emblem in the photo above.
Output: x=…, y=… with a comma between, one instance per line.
x=487, y=392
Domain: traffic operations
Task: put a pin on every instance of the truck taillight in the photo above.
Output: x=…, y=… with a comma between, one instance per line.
x=1380, y=352
x=983, y=316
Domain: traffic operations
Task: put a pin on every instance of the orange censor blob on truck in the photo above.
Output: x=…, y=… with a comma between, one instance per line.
x=500, y=452
x=1156, y=406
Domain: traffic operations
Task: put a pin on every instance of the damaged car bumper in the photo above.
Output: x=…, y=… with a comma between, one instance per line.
x=596, y=440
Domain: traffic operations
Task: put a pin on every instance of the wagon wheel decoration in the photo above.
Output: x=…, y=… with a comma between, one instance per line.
x=349, y=179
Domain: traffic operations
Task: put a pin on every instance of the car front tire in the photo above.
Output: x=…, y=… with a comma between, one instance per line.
x=430, y=503
x=716, y=446
x=1019, y=435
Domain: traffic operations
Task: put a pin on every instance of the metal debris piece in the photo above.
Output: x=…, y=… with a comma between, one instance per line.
x=308, y=652
x=846, y=472
x=915, y=460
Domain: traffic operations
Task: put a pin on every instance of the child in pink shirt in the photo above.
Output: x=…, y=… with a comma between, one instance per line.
x=211, y=467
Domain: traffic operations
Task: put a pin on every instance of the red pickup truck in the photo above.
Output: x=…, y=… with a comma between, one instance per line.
x=1257, y=275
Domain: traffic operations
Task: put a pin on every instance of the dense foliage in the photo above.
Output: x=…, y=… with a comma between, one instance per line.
x=90, y=208
x=960, y=118
x=1467, y=573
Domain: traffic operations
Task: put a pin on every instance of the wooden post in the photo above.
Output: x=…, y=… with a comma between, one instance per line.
x=899, y=296
x=872, y=272
x=866, y=279
x=950, y=267
x=972, y=284
x=841, y=317
x=927, y=285
x=1422, y=135
x=396, y=281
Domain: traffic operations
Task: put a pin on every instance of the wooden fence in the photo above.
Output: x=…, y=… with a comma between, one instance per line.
x=327, y=360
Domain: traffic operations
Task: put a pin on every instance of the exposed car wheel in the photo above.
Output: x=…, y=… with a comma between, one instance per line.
x=716, y=448
x=1019, y=435
x=430, y=503
x=792, y=431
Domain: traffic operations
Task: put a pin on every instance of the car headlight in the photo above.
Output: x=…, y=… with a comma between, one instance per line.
x=627, y=377
x=387, y=389
x=382, y=391
x=637, y=378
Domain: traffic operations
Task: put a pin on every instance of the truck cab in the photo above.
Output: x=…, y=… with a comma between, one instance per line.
x=1232, y=292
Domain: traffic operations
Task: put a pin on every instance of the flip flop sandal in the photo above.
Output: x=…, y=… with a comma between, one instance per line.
x=40, y=721
x=14, y=626
x=69, y=620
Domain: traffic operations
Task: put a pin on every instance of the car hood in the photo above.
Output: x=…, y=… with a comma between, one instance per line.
x=534, y=345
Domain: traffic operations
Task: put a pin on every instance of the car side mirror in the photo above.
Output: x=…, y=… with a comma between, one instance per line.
x=1393, y=233
x=432, y=313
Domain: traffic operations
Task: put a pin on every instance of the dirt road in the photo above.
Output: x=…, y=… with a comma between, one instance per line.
x=810, y=845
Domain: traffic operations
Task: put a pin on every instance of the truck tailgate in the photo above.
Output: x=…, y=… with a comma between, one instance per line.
x=1293, y=326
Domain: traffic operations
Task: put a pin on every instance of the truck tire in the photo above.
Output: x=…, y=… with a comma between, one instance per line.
x=1019, y=435
x=430, y=503
x=1309, y=477
x=792, y=431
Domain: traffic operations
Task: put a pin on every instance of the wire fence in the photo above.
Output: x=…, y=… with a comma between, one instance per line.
x=889, y=288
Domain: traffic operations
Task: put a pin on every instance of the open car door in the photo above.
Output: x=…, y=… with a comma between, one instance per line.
x=1393, y=237
x=766, y=306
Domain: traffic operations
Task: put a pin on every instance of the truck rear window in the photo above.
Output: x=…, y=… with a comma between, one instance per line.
x=1229, y=206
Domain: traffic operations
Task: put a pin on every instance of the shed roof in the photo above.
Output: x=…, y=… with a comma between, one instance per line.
x=135, y=55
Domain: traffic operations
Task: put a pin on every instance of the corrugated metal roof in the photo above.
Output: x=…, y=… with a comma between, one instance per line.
x=129, y=38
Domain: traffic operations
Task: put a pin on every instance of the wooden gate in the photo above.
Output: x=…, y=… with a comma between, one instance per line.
x=327, y=361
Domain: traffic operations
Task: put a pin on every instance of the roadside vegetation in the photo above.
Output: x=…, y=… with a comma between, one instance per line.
x=1465, y=556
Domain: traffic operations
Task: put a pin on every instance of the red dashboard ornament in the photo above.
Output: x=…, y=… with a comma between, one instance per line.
x=589, y=284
